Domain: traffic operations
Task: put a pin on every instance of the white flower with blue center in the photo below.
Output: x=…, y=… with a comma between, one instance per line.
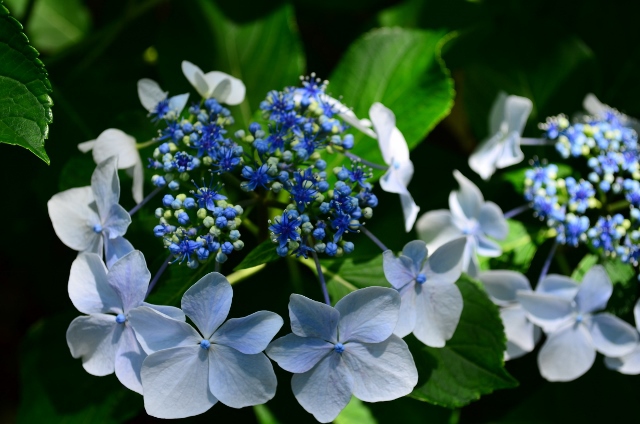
x=158, y=102
x=90, y=219
x=188, y=370
x=104, y=338
x=507, y=120
x=114, y=142
x=469, y=216
x=223, y=87
x=431, y=302
x=565, y=309
x=502, y=287
x=629, y=363
x=349, y=349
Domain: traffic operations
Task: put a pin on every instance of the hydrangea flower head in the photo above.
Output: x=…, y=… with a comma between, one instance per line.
x=223, y=87
x=345, y=350
x=431, y=302
x=189, y=369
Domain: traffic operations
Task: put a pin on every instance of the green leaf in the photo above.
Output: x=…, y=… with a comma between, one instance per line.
x=402, y=69
x=265, y=54
x=176, y=280
x=263, y=415
x=355, y=413
x=585, y=265
x=471, y=364
x=25, y=105
x=263, y=253
x=518, y=248
x=351, y=273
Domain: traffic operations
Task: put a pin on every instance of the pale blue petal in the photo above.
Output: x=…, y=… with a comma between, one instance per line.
x=73, y=219
x=445, y=264
x=521, y=333
x=517, y=110
x=636, y=314
x=498, y=113
x=416, y=250
x=298, y=354
x=368, y=315
x=612, y=336
x=409, y=210
x=313, y=319
x=207, y=302
x=117, y=221
x=129, y=278
x=129, y=358
x=94, y=338
x=384, y=121
x=567, y=354
x=627, y=364
x=492, y=222
x=558, y=285
x=326, y=389
x=175, y=383
x=436, y=228
x=545, y=310
x=594, y=291
x=407, y=314
x=511, y=153
x=150, y=93
x=249, y=335
x=486, y=247
x=469, y=197
x=502, y=285
x=381, y=371
x=89, y=289
x=177, y=103
x=170, y=311
x=115, y=249
x=397, y=272
x=484, y=158
x=240, y=380
x=438, y=310
x=106, y=186
x=156, y=331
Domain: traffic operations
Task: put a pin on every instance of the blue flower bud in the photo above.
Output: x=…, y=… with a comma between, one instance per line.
x=202, y=253
x=343, y=174
x=221, y=222
x=321, y=165
x=348, y=247
x=323, y=186
x=254, y=127
x=174, y=185
x=183, y=218
x=205, y=344
x=97, y=228
x=229, y=213
x=221, y=258
x=189, y=203
x=226, y=248
x=164, y=148
x=120, y=318
x=159, y=230
x=345, y=190
x=325, y=207
x=177, y=135
x=234, y=235
x=331, y=249
x=167, y=200
x=347, y=141
x=283, y=177
x=282, y=251
x=261, y=146
x=187, y=127
x=319, y=233
x=176, y=204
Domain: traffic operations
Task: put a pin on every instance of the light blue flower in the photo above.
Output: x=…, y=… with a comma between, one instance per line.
x=157, y=102
x=629, y=363
x=566, y=310
x=89, y=219
x=104, y=338
x=188, y=371
x=431, y=302
x=349, y=349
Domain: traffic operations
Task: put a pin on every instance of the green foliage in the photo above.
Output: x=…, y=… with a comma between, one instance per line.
x=25, y=105
x=355, y=413
x=263, y=415
x=584, y=265
x=471, y=364
x=264, y=253
x=351, y=273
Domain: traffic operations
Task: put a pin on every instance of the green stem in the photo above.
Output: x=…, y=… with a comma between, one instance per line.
x=141, y=146
x=617, y=206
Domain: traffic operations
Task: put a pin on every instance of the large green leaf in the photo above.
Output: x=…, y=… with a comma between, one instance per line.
x=355, y=413
x=471, y=364
x=25, y=105
x=261, y=254
x=402, y=69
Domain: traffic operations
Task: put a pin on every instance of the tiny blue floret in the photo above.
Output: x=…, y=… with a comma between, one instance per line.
x=205, y=344
x=120, y=318
x=338, y=347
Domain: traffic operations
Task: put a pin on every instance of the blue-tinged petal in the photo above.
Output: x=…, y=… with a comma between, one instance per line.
x=612, y=336
x=115, y=224
x=492, y=222
x=567, y=354
x=89, y=289
x=502, y=285
x=384, y=121
x=150, y=93
x=468, y=197
x=207, y=302
x=558, y=285
x=170, y=311
x=487, y=248
x=393, y=182
x=106, y=186
x=409, y=210
x=175, y=383
x=594, y=291
x=115, y=249
x=368, y=315
x=73, y=218
x=407, y=314
x=436, y=228
x=547, y=311
x=627, y=364
x=298, y=354
x=397, y=272
x=137, y=187
x=517, y=110
x=438, y=310
x=240, y=380
x=326, y=389
x=511, y=153
x=249, y=335
x=129, y=358
x=381, y=371
x=522, y=335
x=416, y=250
x=196, y=77
x=483, y=160
x=445, y=264
x=114, y=142
x=129, y=278
x=94, y=338
x=177, y=103
x=497, y=115
x=156, y=331
x=222, y=89
x=313, y=319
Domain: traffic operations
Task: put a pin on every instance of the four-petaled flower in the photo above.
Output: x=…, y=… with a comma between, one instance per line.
x=223, y=87
x=349, y=349
x=188, y=371
x=157, y=102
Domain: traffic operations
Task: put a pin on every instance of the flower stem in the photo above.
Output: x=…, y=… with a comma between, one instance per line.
x=323, y=284
x=137, y=207
x=616, y=206
x=547, y=262
x=516, y=211
x=156, y=277
x=373, y=238
x=363, y=161
x=217, y=266
x=524, y=141
x=146, y=143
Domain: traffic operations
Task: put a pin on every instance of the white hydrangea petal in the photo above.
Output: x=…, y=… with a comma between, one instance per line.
x=547, y=311
x=382, y=371
x=106, y=186
x=473, y=267
x=392, y=181
x=612, y=336
x=511, y=152
x=313, y=319
x=326, y=389
x=195, y=76
x=486, y=247
x=178, y=103
x=438, y=310
x=207, y=302
x=298, y=354
x=348, y=116
x=484, y=158
x=594, y=291
x=150, y=93
x=117, y=221
x=407, y=314
x=89, y=289
x=73, y=219
x=436, y=228
x=517, y=110
x=129, y=358
x=636, y=314
x=238, y=92
x=137, y=187
x=86, y=146
x=250, y=334
x=594, y=106
x=368, y=315
x=222, y=90
x=400, y=149
x=502, y=285
x=519, y=330
x=468, y=196
x=95, y=338
x=395, y=270
x=114, y=142
x=409, y=210
x=384, y=122
x=175, y=383
x=116, y=248
x=497, y=115
x=445, y=264
x=170, y=311
x=627, y=364
x=492, y=222
x=240, y=380
x=558, y=285
x=156, y=331
x=567, y=354
x=232, y=96
x=129, y=277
